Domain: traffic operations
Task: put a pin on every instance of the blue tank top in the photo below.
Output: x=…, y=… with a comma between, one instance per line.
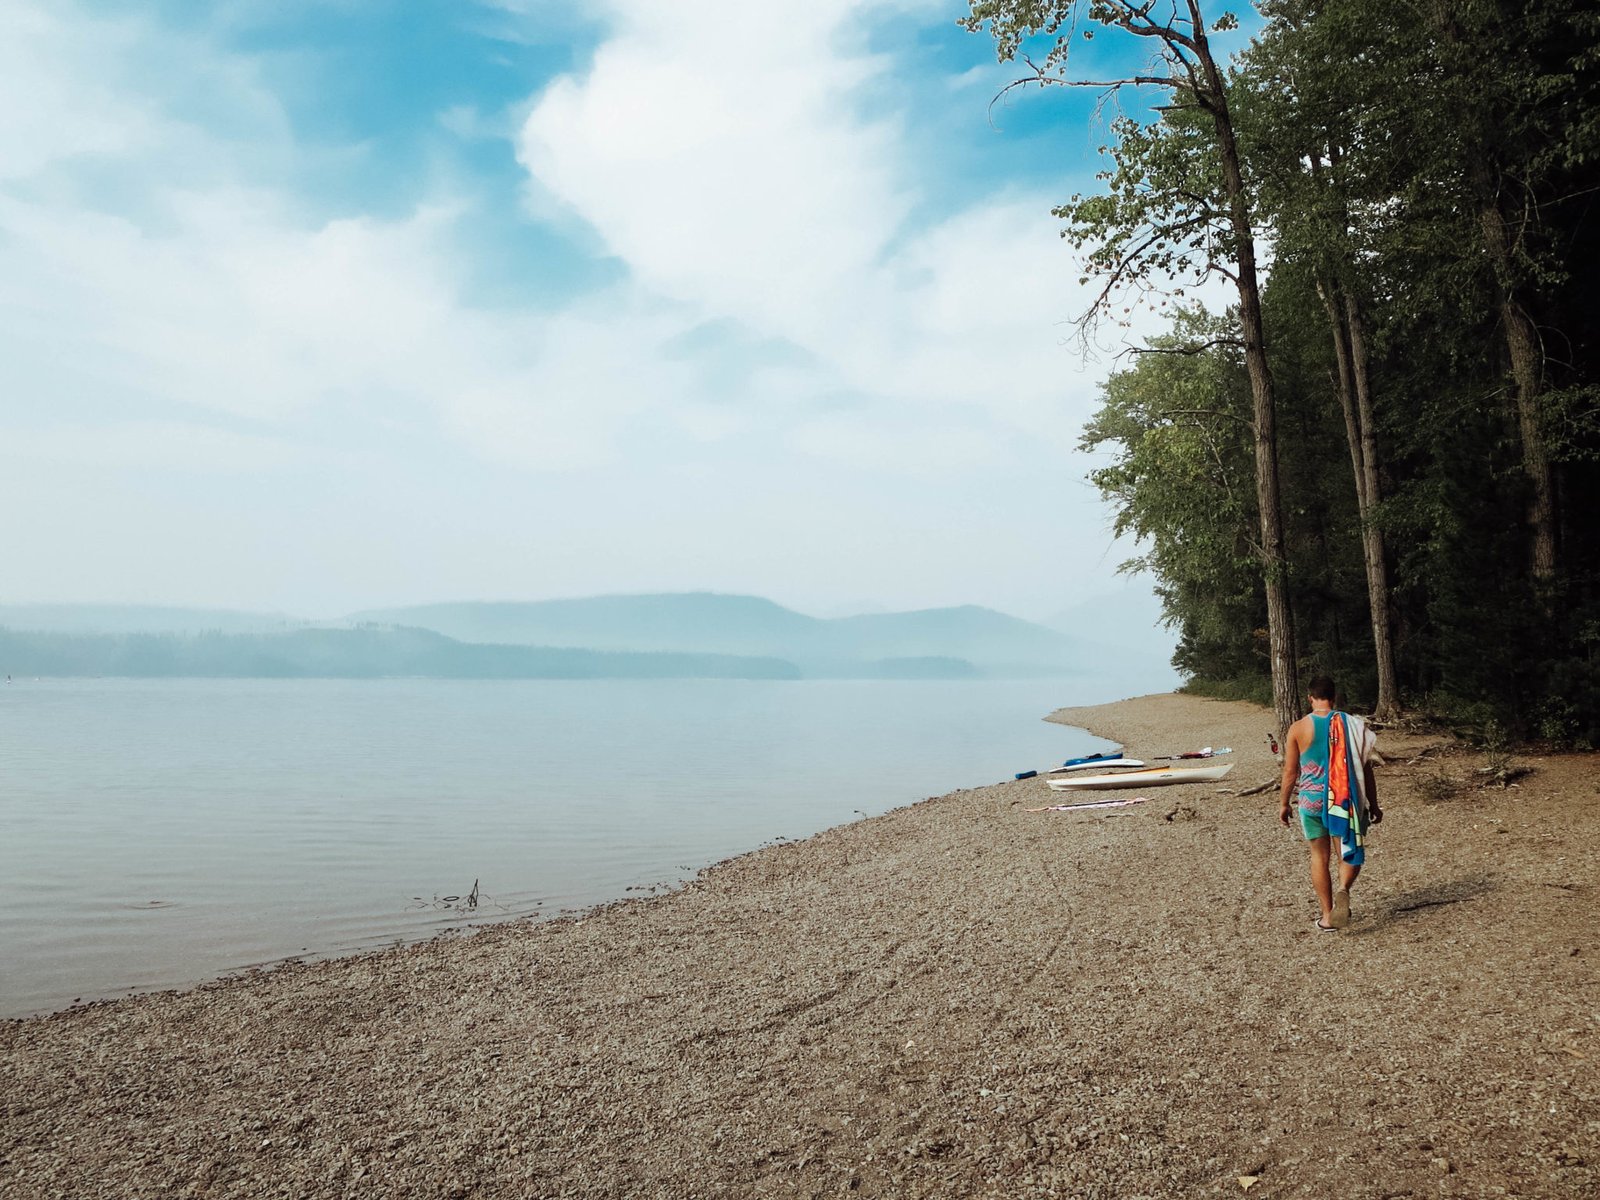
x=1314, y=760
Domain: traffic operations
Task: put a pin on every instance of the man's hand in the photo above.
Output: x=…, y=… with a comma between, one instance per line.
x=1375, y=813
x=1283, y=813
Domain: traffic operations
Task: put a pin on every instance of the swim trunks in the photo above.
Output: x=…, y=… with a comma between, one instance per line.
x=1311, y=809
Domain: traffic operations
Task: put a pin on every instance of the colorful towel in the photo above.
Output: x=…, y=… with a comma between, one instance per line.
x=1333, y=770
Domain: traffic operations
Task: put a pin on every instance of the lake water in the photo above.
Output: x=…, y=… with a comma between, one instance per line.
x=155, y=833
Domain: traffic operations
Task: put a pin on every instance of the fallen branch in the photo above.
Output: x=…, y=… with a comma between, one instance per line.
x=1260, y=787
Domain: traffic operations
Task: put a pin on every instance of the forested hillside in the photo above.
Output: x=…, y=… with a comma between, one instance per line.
x=1395, y=432
x=358, y=654
x=707, y=622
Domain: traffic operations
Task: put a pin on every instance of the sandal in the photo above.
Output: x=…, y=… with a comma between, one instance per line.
x=1341, y=909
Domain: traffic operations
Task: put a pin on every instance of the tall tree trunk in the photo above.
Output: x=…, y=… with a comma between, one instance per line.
x=1527, y=373
x=1286, y=698
x=1355, y=399
x=1372, y=541
x=1522, y=342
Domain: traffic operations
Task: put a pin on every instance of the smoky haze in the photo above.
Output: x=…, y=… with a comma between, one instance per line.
x=678, y=635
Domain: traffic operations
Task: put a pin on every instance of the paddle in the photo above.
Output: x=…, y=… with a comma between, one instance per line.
x=1090, y=804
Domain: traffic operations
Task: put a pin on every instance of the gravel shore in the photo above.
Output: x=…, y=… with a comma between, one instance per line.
x=959, y=998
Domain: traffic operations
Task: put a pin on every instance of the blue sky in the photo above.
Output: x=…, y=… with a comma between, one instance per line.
x=317, y=306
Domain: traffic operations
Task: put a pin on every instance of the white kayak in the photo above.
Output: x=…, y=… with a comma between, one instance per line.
x=1151, y=777
x=1099, y=762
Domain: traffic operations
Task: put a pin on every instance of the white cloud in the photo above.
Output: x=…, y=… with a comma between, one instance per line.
x=198, y=282
x=165, y=446
x=887, y=445
x=239, y=310
x=732, y=179
x=734, y=188
x=118, y=91
x=749, y=186
x=796, y=320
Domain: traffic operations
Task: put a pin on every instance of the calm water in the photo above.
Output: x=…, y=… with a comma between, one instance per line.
x=157, y=833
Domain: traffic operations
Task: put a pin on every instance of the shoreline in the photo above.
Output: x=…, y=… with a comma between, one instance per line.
x=955, y=997
x=256, y=854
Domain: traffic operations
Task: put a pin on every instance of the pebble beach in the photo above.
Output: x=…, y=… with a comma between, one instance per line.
x=959, y=998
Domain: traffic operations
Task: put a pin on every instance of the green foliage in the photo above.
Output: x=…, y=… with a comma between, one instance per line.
x=1257, y=689
x=1160, y=227
x=1379, y=144
x=1182, y=482
x=1014, y=23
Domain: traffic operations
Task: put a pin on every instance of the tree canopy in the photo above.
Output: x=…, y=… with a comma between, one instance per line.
x=1426, y=178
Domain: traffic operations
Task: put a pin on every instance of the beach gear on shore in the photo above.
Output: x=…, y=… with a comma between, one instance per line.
x=1208, y=752
x=1153, y=776
x=1097, y=756
x=1100, y=758
x=1091, y=804
x=1097, y=763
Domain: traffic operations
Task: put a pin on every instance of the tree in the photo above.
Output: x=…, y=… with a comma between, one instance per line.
x=1165, y=226
x=1181, y=483
x=1301, y=98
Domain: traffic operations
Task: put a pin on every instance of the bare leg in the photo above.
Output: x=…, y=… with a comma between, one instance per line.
x=1341, y=898
x=1347, y=874
x=1320, y=883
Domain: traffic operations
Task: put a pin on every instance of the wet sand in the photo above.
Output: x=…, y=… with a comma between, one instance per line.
x=959, y=998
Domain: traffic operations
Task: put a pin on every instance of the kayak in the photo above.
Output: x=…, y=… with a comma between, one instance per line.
x=1099, y=762
x=1150, y=777
x=1099, y=756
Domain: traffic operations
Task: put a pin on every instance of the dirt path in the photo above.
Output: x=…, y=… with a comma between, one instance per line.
x=960, y=998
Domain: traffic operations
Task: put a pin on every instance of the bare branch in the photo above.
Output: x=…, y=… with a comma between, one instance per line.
x=1042, y=75
x=1131, y=81
x=1136, y=20
x=1190, y=351
x=1117, y=275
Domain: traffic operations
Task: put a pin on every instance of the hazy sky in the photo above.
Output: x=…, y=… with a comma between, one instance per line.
x=316, y=306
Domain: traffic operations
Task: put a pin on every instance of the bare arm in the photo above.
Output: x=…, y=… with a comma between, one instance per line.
x=1374, y=810
x=1291, y=771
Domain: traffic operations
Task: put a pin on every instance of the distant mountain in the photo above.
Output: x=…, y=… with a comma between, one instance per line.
x=1123, y=639
x=1129, y=617
x=351, y=654
x=678, y=621
x=986, y=641
x=139, y=618
x=490, y=640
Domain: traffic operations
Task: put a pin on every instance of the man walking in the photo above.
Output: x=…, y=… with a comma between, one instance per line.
x=1327, y=758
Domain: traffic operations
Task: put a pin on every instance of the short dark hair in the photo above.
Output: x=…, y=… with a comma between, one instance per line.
x=1321, y=688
